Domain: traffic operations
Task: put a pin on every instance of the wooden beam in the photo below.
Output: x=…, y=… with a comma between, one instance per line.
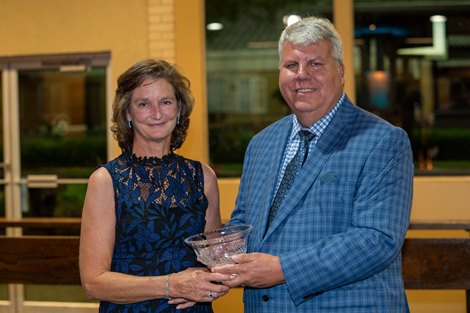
x=436, y=263
x=41, y=222
x=39, y=260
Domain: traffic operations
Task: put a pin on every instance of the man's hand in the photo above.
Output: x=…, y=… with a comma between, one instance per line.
x=257, y=270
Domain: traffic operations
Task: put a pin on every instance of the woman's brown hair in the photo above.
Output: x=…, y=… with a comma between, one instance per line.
x=133, y=78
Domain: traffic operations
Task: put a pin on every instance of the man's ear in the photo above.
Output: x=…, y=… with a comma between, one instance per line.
x=341, y=72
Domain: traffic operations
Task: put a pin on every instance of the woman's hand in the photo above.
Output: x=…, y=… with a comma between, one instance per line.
x=197, y=285
x=181, y=303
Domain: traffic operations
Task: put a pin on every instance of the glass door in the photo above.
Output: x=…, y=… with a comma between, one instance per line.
x=54, y=134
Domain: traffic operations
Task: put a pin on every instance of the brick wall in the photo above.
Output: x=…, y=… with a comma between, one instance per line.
x=161, y=29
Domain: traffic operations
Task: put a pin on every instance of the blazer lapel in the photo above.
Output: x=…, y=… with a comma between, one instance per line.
x=334, y=136
x=276, y=152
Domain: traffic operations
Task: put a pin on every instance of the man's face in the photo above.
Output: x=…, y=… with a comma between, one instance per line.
x=310, y=80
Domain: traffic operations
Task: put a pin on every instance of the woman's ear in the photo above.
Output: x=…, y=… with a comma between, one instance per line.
x=178, y=117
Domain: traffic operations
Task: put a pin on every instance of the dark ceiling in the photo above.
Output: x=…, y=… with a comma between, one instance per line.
x=261, y=20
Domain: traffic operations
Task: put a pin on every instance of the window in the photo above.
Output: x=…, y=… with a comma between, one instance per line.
x=425, y=90
x=53, y=133
x=413, y=68
x=242, y=73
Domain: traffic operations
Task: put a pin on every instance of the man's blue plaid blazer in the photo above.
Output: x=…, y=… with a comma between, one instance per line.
x=340, y=229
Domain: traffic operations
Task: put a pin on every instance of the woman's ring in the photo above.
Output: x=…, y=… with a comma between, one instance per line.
x=211, y=295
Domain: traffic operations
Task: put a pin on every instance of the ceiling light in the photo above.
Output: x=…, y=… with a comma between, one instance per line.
x=438, y=18
x=215, y=26
x=438, y=50
x=290, y=19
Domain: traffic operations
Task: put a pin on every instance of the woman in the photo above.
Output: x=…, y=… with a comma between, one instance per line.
x=141, y=206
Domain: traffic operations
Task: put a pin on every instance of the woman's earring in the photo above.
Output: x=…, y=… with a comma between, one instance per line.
x=178, y=119
x=129, y=123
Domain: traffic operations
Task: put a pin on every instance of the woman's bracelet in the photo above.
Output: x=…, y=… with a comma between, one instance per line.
x=167, y=287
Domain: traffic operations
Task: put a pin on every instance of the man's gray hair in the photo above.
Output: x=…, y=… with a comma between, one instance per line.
x=311, y=30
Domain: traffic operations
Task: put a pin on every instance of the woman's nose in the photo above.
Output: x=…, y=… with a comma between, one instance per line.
x=156, y=111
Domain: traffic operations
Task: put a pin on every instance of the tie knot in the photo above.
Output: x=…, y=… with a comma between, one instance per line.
x=306, y=135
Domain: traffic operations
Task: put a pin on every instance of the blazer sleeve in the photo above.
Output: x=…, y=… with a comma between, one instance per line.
x=380, y=212
x=238, y=214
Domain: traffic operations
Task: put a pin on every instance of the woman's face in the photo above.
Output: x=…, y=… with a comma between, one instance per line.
x=153, y=111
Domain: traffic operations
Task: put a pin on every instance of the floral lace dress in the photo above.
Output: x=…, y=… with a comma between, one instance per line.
x=159, y=202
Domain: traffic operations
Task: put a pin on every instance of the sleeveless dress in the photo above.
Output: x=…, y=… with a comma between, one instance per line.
x=159, y=202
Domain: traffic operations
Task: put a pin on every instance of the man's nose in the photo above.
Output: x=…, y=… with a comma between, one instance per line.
x=302, y=72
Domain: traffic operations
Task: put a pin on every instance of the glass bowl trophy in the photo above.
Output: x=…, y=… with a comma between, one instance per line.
x=215, y=248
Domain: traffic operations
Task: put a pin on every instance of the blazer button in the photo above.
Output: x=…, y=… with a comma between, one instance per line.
x=265, y=298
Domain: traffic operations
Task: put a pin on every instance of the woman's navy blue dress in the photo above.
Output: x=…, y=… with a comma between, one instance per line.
x=159, y=202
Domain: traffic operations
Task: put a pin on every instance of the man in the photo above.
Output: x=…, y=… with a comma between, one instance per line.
x=333, y=244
